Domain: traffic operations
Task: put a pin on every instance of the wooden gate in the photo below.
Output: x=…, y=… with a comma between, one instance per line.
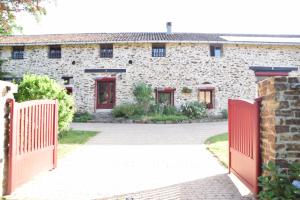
x=32, y=140
x=244, y=145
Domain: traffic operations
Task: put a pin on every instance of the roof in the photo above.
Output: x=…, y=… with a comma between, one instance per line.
x=95, y=38
x=273, y=69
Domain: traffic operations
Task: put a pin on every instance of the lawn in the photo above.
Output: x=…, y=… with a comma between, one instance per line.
x=218, y=145
x=71, y=140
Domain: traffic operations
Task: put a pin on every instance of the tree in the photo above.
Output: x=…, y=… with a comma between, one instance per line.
x=9, y=9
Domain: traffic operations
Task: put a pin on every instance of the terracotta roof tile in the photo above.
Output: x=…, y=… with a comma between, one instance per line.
x=85, y=38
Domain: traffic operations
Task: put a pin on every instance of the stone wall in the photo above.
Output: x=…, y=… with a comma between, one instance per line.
x=6, y=91
x=280, y=119
x=185, y=64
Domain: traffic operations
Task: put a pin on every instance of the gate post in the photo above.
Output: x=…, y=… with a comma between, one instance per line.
x=7, y=90
x=280, y=119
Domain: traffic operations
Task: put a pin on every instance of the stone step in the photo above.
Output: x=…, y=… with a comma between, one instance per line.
x=102, y=116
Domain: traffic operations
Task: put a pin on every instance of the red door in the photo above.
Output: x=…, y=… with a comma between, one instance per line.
x=105, y=93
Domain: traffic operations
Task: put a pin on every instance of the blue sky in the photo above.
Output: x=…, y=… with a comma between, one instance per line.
x=207, y=16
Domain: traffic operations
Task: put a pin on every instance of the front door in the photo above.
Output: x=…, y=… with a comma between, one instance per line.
x=105, y=93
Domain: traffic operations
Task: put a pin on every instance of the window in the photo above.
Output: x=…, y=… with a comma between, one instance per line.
x=206, y=96
x=55, y=51
x=165, y=96
x=18, y=52
x=158, y=50
x=106, y=50
x=216, y=51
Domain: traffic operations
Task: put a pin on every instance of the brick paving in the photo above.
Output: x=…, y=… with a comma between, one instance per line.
x=137, y=162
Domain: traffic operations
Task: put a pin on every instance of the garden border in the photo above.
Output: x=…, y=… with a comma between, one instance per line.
x=139, y=121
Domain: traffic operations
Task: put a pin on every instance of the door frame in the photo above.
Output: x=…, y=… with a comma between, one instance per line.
x=105, y=80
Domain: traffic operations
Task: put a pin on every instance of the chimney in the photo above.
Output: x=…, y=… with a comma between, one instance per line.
x=169, y=27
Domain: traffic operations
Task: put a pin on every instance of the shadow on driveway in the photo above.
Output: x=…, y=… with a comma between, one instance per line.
x=217, y=187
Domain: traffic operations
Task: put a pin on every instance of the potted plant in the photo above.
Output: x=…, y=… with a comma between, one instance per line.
x=186, y=91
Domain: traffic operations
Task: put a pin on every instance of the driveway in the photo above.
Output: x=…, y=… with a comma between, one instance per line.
x=137, y=161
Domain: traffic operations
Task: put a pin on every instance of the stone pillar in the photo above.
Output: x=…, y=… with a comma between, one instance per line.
x=280, y=119
x=6, y=91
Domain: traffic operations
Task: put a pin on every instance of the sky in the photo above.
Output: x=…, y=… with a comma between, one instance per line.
x=202, y=16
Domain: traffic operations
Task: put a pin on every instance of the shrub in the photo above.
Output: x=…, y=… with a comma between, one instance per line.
x=194, y=110
x=169, y=110
x=277, y=183
x=156, y=109
x=143, y=96
x=224, y=113
x=82, y=117
x=34, y=87
x=160, y=109
x=127, y=110
x=186, y=90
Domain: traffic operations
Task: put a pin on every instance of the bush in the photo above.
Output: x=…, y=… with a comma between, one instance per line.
x=82, y=117
x=169, y=110
x=34, y=87
x=194, y=110
x=160, y=109
x=224, y=113
x=143, y=96
x=277, y=183
x=156, y=109
x=127, y=110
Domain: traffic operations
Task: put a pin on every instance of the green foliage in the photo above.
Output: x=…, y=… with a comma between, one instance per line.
x=34, y=87
x=169, y=110
x=224, y=114
x=143, y=96
x=161, y=109
x=82, y=117
x=127, y=110
x=8, y=10
x=277, y=183
x=186, y=90
x=194, y=110
x=174, y=118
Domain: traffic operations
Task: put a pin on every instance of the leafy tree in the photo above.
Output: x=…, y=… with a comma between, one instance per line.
x=9, y=8
x=8, y=11
x=34, y=87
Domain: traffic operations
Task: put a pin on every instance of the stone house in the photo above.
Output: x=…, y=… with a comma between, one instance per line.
x=101, y=69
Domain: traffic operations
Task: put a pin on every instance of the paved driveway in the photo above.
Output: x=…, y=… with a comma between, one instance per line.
x=137, y=161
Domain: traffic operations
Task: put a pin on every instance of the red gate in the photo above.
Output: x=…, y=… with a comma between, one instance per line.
x=32, y=140
x=244, y=146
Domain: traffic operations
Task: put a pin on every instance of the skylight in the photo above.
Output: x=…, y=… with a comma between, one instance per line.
x=261, y=39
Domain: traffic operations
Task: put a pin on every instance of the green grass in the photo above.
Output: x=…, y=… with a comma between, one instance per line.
x=167, y=117
x=218, y=145
x=72, y=139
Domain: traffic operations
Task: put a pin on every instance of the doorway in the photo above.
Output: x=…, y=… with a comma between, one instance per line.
x=105, y=93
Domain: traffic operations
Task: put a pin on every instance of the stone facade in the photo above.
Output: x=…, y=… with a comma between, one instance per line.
x=185, y=64
x=6, y=91
x=280, y=119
